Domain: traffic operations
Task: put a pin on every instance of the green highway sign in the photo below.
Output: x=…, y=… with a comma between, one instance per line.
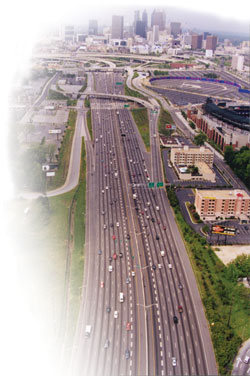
x=151, y=185
x=118, y=83
x=160, y=184
x=126, y=105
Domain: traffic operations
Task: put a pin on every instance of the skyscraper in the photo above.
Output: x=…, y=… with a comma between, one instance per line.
x=117, y=27
x=155, y=35
x=196, y=42
x=145, y=18
x=69, y=33
x=158, y=17
x=140, y=29
x=93, y=27
x=175, y=28
x=211, y=42
x=205, y=34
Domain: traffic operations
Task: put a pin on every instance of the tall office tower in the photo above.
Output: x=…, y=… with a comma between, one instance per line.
x=117, y=27
x=155, y=36
x=136, y=16
x=211, y=42
x=145, y=18
x=158, y=17
x=196, y=42
x=205, y=34
x=69, y=33
x=175, y=28
x=140, y=29
x=93, y=27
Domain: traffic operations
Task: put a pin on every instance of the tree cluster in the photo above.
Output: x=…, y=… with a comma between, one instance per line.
x=239, y=161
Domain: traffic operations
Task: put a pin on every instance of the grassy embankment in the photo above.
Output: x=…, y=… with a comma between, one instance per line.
x=64, y=154
x=55, y=95
x=226, y=302
x=134, y=93
x=164, y=118
x=84, y=87
x=140, y=116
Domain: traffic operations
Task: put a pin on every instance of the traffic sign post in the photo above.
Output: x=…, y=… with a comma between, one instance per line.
x=160, y=184
x=170, y=126
x=118, y=83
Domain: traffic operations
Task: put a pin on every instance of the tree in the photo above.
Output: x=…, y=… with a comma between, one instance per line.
x=200, y=139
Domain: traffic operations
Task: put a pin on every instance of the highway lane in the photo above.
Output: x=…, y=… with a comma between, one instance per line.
x=151, y=308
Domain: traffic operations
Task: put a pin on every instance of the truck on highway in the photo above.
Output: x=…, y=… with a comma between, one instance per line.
x=87, y=331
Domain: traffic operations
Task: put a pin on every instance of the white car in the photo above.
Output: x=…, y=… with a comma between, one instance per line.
x=162, y=253
x=154, y=135
x=102, y=190
x=246, y=360
x=157, y=208
x=159, y=266
x=117, y=224
x=170, y=266
x=116, y=314
x=173, y=361
x=110, y=268
x=133, y=273
x=148, y=203
x=107, y=187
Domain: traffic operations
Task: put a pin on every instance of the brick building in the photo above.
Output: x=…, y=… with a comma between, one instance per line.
x=221, y=133
x=191, y=155
x=222, y=204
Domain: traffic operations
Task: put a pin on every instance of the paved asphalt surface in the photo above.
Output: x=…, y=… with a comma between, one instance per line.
x=241, y=366
x=143, y=339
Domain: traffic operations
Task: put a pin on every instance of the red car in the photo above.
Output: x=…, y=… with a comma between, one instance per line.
x=113, y=237
x=128, y=326
x=180, y=309
x=114, y=256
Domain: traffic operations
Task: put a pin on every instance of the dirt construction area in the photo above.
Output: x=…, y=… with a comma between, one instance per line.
x=228, y=253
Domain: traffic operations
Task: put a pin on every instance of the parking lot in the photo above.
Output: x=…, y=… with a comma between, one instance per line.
x=182, y=92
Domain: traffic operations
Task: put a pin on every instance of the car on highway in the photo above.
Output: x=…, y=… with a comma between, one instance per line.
x=162, y=253
x=110, y=268
x=157, y=208
x=127, y=354
x=152, y=219
x=103, y=212
x=116, y=314
x=154, y=135
x=128, y=326
x=106, y=345
x=246, y=360
x=180, y=309
x=173, y=361
x=180, y=286
x=157, y=237
x=147, y=216
x=102, y=284
x=104, y=226
x=99, y=252
x=133, y=273
x=117, y=224
x=121, y=297
x=175, y=318
x=114, y=256
x=153, y=267
x=108, y=309
x=170, y=266
x=128, y=236
x=102, y=190
x=148, y=203
x=120, y=254
x=110, y=258
x=111, y=225
x=113, y=237
x=159, y=266
x=127, y=280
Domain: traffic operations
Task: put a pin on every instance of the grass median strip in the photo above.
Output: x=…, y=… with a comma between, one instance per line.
x=226, y=303
x=140, y=116
x=64, y=154
x=89, y=123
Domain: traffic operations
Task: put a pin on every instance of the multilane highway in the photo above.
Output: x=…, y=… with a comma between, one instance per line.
x=133, y=246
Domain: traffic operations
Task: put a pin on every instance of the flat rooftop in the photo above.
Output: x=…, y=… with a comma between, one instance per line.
x=193, y=150
x=222, y=194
